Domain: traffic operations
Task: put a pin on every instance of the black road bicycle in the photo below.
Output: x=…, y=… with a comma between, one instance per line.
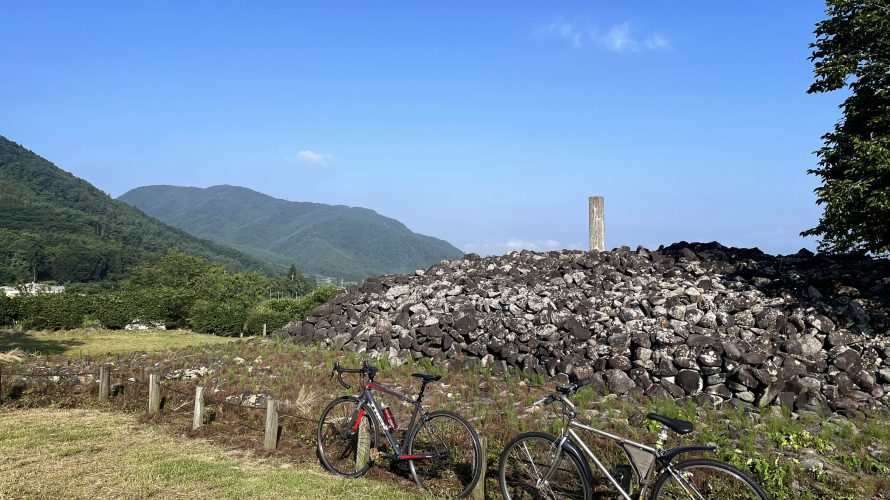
x=441, y=448
x=538, y=465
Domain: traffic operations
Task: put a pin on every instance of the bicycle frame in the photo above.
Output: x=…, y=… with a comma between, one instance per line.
x=367, y=400
x=569, y=432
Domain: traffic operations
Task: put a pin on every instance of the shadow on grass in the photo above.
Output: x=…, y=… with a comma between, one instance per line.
x=30, y=343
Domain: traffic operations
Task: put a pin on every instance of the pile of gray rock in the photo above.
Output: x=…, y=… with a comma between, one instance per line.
x=702, y=320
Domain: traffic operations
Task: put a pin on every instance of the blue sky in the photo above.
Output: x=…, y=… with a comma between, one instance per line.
x=484, y=123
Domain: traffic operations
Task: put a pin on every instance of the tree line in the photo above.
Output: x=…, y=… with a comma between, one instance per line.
x=180, y=291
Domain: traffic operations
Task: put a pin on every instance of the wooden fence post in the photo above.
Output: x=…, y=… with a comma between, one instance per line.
x=198, y=419
x=154, y=393
x=597, y=210
x=104, y=382
x=478, y=492
x=264, y=329
x=270, y=442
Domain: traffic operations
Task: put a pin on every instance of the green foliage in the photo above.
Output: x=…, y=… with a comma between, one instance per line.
x=852, y=50
x=272, y=319
x=346, y=242
x=274, y=313
x=117, y=310
x=772, y=473
x=319, y=296
x=54, y=226
x=866, y=464
x=8, y=310
x=798, y=440
x=219, y=318
x=61, y=311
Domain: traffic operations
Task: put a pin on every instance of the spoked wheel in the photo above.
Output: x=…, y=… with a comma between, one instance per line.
x=706, y=479
x=343, y=444
x=455, y=455
x=526, y=460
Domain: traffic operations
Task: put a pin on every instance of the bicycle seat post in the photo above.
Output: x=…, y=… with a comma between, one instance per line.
x=420, y=393
x=662, y=437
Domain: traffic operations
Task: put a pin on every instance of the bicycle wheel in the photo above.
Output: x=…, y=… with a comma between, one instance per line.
x=338, y=438
x=454, y=468
x=528, y=457
x=704, y=479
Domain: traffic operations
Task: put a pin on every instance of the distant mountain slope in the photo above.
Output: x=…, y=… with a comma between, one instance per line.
x=332, y=240
x=65, y=229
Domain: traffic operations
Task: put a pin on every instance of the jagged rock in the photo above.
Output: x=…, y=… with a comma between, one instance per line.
x=690, y=381
x=719, y=323
x=618, y=382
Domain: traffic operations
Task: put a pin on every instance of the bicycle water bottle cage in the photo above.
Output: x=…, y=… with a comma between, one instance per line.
x=678, y=426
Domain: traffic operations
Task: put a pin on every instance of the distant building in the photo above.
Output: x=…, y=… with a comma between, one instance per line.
x=31, y=289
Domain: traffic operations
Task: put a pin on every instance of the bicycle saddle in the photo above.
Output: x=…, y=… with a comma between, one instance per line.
x=678, y=426
x=426, y=378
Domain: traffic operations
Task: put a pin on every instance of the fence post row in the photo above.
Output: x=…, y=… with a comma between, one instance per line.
x=198, y=419
x=154, y=393
x=270, y=442
x=104, y=382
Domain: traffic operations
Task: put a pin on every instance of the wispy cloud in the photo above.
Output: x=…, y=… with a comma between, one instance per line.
x=317, y=159
x=619, y=38
x=511, y=244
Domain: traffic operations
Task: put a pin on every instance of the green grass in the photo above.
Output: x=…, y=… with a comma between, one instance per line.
x=96, y=341
x=52, y=453
x=769, y=443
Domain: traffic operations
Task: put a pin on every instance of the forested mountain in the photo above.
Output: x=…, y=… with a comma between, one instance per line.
x=62, y=228
x=332, y=240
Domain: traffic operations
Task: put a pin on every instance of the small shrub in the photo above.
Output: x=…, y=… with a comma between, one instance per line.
x=117, y=310
x=314, y=299
x=219, y=318
x=171, y=306
x=60, y=311
x=272, y=319
x=287, y=306
x=8, y=310
x=91, y=322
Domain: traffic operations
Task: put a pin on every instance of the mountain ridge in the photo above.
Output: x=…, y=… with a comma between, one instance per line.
x=57, y=226
x=333, y=240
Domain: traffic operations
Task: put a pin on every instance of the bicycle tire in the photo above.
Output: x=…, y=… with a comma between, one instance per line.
x=710, y=478
x=570, y=475
x=457, y=472
x=337, y=441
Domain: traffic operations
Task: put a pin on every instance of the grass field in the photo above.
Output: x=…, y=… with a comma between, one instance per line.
x=52, y=453
x=95, y=341
x=805, y=455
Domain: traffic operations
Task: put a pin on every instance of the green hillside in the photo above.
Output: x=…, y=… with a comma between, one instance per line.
x=65, y=229
x=332, y=240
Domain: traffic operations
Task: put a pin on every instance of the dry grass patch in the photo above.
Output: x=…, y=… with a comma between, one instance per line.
x=97, y=341
x=51, y=453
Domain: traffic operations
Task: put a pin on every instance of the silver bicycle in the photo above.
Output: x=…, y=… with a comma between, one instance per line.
x=539, y=465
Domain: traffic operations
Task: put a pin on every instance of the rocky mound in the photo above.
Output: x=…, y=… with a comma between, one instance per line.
x=807, y=331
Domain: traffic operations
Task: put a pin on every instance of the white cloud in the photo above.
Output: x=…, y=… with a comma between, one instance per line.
x=578, y=33
x=317, y=159
x=510, y=245
x=618, y=39
x=655, y=42
x=582, y=33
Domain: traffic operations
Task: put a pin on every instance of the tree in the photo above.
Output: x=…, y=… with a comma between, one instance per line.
x=852, y=49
